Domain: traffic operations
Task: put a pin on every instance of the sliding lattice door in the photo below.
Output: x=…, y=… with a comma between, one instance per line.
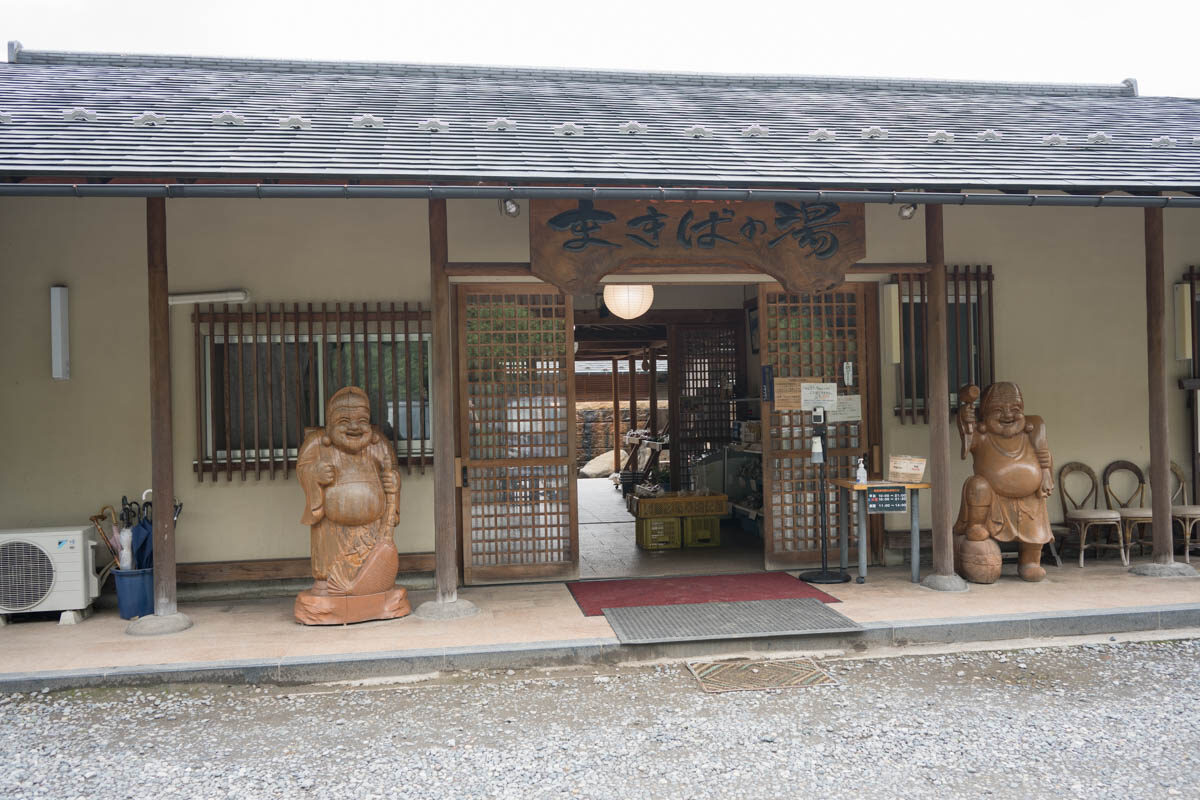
x=517, y=410
x=814, y=336
x=703, y=364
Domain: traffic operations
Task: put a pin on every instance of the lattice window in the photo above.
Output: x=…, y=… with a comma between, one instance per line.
x=264, y=373
x=520, y=515
x=705, y=361
x=970, y=337
x=1192, y=324
x=810, y=336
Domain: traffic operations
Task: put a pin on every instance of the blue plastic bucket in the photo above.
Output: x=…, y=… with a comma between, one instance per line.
x=135, y=592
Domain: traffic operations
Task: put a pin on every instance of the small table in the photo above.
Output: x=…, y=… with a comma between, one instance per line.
x=850, y=488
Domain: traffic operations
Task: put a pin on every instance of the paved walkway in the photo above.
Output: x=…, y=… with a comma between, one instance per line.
x=518, y=618
x=608, y=549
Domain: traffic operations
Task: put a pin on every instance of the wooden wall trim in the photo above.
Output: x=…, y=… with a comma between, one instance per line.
x=267, y=569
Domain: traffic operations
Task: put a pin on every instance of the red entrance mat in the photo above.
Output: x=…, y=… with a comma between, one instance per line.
x=595, y=596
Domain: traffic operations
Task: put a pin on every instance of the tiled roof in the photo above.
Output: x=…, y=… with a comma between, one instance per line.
x=124, y=115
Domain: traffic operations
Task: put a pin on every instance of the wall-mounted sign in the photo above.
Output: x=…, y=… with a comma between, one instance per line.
x=886, y=499
x=849, y=409
x=807, y=247
x=814, y=394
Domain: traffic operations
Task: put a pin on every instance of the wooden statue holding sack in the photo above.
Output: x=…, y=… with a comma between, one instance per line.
x=352, y=494
x=1005, y=500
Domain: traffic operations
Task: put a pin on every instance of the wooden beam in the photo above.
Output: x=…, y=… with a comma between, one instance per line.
x=616, y=425
x=653, y=379
x=162, y=453
x=458, y=269
x=480, y=269
x=268, y=569
x=938, y=396
x=674, y=390
x=1156, y=373
x=445, y=520
x=670, y=316
x=633, y=420
x=889, y=269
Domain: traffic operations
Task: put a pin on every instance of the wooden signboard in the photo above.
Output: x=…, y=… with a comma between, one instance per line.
x=807, y=247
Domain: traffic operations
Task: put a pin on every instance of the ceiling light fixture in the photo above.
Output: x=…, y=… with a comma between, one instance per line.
x=509, y=207
x=628, y=300
x=908, y=211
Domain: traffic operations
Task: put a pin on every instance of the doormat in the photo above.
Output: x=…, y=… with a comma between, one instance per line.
x=745, y=676
x=746, y=619
x=595, y=596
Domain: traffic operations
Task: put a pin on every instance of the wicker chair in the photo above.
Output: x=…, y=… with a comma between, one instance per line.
x=1079, y=517
x=1133, y=509
x=1186, y=515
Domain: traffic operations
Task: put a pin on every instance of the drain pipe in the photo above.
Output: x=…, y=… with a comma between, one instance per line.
x=429, y=192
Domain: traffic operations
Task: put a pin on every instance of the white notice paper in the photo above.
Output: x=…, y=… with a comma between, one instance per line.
x=849, y=409
x=819, y=394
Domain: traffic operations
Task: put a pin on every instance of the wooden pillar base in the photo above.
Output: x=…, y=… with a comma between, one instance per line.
x=439, y=611
x=158, y=624
x=1176, y=569
x=945, y=583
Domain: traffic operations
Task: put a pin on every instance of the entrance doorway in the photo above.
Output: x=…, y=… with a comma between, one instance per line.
x=666, y=390
x=529, y=421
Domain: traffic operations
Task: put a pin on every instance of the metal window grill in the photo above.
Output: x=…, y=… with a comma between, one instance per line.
x=970, y=337
x=1191, y=277
x=264, y=374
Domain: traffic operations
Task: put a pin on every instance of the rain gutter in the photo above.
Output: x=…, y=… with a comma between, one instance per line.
x=358, y=191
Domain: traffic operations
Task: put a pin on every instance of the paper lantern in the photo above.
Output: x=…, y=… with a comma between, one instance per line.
x=628, y=301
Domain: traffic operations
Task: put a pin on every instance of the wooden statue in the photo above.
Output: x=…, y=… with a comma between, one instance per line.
x=352, y=493
x=1005, y=499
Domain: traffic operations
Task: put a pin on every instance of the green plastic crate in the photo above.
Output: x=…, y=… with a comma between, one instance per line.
x=701, y=531
x=658, y=533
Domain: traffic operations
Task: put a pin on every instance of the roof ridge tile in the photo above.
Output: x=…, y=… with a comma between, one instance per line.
x=20, y=55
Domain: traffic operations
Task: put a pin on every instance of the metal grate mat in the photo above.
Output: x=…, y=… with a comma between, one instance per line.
x=737, y=620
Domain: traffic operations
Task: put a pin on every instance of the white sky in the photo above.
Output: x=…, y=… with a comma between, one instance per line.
x=1015, y=40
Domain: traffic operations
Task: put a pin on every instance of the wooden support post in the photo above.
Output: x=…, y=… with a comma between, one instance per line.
x=162, y=455
x=447, y=604
x=616, y=425
x=442, y=375
x=1156, y=369
x=166, y=617
x=633, y=420
x=652, y=377
x=937, y=401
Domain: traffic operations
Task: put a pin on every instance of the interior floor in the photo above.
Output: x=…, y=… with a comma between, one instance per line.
x=608, y=547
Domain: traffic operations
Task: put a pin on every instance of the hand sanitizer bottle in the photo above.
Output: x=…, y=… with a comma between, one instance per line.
x=861, y=474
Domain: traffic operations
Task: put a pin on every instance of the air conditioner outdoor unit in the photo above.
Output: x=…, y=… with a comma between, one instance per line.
x=48, y=569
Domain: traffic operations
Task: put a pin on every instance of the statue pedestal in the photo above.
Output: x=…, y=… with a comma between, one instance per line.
x=322, y=609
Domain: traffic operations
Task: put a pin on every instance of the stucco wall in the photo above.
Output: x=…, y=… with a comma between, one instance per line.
x=84, y=442
x=1070, y=329
x=1070, y=326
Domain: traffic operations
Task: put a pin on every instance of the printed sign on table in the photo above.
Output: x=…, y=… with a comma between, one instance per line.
x=886, y=499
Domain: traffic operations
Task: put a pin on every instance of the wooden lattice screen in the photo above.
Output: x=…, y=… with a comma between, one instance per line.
x=264, y=373
x=1192, y=276
x=811, y=336
x=517, y=390
x=970, y=337
x=703, y=378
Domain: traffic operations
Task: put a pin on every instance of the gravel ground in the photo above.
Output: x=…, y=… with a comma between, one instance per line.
x=1096, y=721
